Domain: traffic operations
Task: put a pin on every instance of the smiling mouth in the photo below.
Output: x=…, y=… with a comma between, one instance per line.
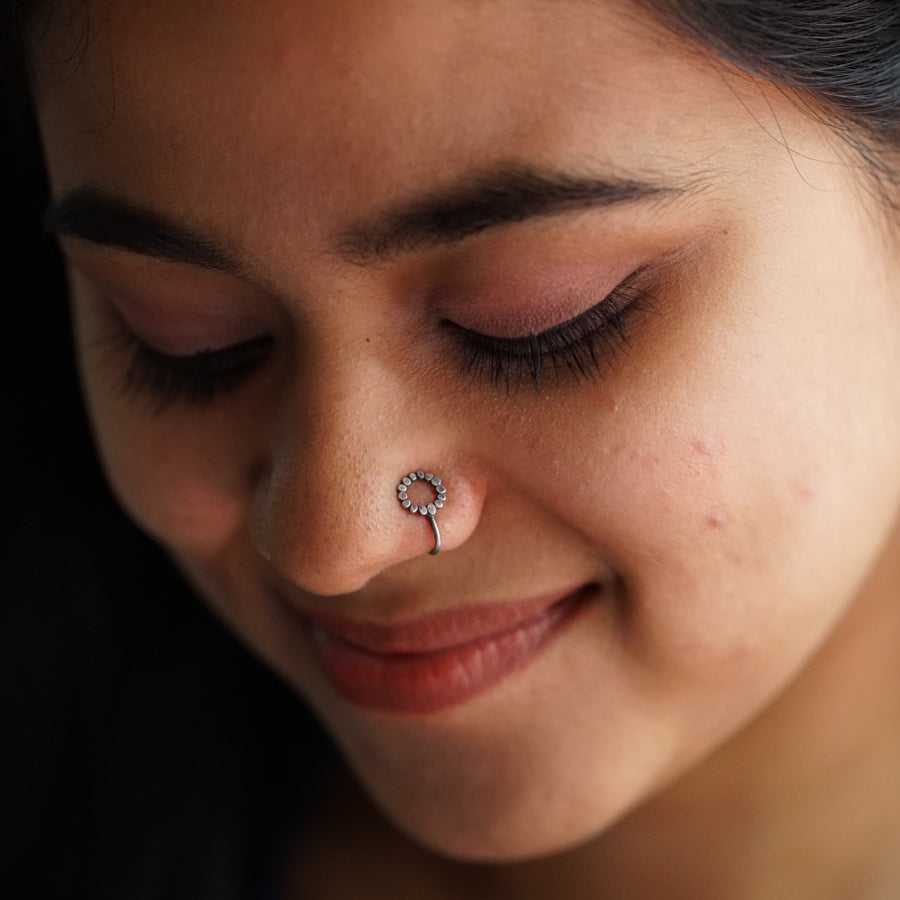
x=438, y=661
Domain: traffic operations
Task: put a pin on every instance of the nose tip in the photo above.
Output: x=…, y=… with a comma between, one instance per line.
x=326, y=511
x=328, y=545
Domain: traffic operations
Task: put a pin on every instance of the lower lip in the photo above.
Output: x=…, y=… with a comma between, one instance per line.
x=425, y=682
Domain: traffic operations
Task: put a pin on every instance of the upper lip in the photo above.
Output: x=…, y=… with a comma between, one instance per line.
x=436, y=631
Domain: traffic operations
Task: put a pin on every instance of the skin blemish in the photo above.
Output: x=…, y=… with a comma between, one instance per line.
x=706, y=450
x=716, y=519
x=806, y=489
x=707, y=446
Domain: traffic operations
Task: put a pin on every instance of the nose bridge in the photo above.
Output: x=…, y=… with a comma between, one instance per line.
x=327, y=514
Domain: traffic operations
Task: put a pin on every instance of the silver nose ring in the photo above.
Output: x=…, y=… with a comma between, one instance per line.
x=429, y=510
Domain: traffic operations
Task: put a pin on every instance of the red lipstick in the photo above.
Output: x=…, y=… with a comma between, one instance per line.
x=430, y=663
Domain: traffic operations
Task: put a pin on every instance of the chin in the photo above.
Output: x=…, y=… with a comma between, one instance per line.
x=507, y=841
x=491, y=809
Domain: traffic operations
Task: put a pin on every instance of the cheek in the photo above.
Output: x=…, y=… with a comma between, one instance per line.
x=184, y=474
x=726, y=472
x=186, y=478
x=188, y=493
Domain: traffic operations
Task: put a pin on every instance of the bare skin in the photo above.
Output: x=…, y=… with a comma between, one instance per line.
x=721, y=721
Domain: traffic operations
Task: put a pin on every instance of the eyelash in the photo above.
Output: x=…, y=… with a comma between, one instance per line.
x=197, y=379
x=576, y=348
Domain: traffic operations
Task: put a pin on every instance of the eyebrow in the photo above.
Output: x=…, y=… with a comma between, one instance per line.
x=94, y=215
x=504, y=196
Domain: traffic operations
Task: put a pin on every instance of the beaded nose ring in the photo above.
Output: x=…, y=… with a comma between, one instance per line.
x=429, y=510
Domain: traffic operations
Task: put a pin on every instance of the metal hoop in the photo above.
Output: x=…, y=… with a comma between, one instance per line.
x=428, y=510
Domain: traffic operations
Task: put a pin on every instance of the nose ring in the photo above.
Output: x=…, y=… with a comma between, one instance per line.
x=429, y=510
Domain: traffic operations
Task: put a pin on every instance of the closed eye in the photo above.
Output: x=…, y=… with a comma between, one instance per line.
x=196, y=379
x=580, y=347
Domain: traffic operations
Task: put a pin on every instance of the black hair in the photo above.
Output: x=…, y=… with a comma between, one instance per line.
x=119, y=693
x=839, y=58
x=844, y=53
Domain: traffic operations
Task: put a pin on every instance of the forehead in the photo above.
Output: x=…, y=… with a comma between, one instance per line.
x=320, y=109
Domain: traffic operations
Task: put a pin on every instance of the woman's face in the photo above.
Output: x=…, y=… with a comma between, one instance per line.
x=340, y=207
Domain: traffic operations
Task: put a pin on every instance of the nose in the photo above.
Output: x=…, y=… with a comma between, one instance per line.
x=327, y=512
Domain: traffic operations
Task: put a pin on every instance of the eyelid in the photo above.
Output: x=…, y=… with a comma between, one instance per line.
x=577, y=347
x=177, y=311
x=196, y=378
x=182, y=331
